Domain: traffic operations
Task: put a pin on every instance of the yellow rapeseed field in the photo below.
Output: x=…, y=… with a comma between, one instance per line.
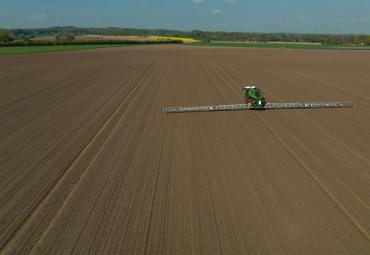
x=185, y=40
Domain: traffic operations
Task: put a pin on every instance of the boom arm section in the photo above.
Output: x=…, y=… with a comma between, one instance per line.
x=268, y=106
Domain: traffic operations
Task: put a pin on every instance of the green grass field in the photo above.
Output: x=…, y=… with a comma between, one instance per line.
x=41, y=49
x=282, y=45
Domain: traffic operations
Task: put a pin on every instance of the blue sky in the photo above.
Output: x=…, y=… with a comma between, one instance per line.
x=303, y=16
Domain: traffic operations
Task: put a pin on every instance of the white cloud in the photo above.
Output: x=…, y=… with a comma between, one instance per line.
x=301, y=17
x=198, y=1
x=216, y=12
x=231, y=1
x=360, y=19
x=41, y=16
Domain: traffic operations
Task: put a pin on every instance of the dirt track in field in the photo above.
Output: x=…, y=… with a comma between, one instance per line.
x=89, y=164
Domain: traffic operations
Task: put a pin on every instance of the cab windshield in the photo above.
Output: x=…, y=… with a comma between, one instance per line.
x=258, y=93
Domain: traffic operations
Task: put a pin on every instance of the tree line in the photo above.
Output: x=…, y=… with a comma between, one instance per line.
x=326, y=39
x=7, y=35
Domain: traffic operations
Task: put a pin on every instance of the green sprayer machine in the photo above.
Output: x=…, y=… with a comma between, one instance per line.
x=254, y=100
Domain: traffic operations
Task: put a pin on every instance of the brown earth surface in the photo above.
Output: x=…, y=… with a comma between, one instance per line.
x=90, y=165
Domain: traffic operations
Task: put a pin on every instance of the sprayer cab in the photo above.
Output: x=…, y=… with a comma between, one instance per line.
x=253, y=96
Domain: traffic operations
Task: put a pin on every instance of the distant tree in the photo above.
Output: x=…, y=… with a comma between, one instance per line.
x=362, y=40
x=198, y=34
x=5, y=37
x=27, y=38
x=64, y=37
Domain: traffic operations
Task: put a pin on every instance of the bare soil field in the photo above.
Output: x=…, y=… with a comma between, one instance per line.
x=90, y=165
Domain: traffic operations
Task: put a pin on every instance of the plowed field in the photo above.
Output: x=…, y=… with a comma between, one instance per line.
x=90, y=165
